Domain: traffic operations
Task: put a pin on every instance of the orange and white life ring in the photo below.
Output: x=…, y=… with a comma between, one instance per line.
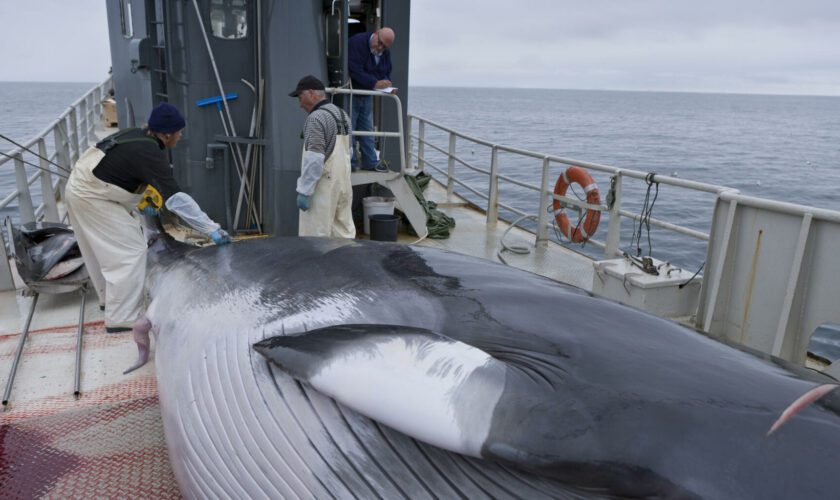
x=578, y=233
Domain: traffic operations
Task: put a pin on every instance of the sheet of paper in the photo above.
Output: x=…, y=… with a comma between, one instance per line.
x=388, y=90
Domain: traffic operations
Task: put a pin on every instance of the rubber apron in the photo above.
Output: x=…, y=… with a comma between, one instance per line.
x=330, y=213
x=110, y=238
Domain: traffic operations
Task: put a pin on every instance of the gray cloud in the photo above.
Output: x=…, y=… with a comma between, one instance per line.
x=743, y=46
x=54, y=40
x=783, y=46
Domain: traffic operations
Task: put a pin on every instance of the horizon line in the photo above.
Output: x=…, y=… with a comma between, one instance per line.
x=479, y=87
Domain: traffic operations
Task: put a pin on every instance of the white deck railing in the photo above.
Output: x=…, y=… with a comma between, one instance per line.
x=770, y=270
x=543, y=164
x=770, y=266
x=61, y=143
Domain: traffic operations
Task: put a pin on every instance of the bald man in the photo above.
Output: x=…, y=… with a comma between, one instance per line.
x=369, y=58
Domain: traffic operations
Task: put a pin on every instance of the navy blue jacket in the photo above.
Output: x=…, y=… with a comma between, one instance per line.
x=364, y=72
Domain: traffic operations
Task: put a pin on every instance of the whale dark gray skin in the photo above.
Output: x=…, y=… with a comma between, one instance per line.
x=402, y=371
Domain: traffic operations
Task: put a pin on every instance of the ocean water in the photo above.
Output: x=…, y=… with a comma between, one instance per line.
x=780, y=147
x=26, y=108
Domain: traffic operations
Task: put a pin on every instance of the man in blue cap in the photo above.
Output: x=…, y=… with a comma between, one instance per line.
x=103, y=191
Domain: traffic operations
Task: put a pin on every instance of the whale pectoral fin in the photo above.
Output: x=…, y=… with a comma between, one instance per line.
x=143, y=346
x=801, y=403
x=424, y=384
x=140, y=333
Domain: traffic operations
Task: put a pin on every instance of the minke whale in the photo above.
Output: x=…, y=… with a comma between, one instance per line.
x=314, y=368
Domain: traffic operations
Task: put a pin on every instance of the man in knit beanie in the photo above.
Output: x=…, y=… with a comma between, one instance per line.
x=103, y=191
x=166, y=119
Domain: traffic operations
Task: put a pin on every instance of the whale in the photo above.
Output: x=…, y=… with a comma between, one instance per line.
x=312, y=368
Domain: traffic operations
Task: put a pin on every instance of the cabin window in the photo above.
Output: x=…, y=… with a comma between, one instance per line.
x=125, y=18
x=229, y=19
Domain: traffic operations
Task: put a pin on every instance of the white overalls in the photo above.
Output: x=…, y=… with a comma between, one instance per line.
x=110, y=238
x=329, y=212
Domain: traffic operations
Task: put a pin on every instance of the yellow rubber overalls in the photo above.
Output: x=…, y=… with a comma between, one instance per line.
x=110, y=239
x=330, y=213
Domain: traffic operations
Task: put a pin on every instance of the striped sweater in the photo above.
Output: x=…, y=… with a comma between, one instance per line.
x=320, y=128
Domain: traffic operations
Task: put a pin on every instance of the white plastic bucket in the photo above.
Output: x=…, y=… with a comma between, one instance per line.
x=376, y=205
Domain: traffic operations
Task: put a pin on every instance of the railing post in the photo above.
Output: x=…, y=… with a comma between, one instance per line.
x=25, y=208
x=410, y=137
x=716, y=280
x=400, y=126
x=47, y=189
x=450, y=166
x=542, y=211
x=7, y=282
x=88, y=120
x=96, y=97
x=493, y=199
x=790, y=292
x=97, y=106
x=62, y=144
x=73, y=135
x=83, y=125
x=421, y=142
x=94, y=116
x=614, y=227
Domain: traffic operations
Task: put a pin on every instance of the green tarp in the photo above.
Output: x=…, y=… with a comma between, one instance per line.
x=438, y=223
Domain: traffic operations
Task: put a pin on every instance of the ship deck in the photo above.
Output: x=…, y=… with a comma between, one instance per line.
x=472, y=236
x=109, y=441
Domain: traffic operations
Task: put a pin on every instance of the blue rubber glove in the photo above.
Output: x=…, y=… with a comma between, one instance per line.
x=220, y=237
x=303, y=202
x=150, y=211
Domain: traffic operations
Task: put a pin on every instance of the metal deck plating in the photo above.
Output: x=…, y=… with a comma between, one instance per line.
x=107, y=443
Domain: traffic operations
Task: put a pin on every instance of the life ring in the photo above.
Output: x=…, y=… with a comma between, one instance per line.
x=577, y=233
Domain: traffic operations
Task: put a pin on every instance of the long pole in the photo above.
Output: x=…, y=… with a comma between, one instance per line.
x=77, y=388
x=256, y=159
x=34, y=153
x=247, y=156
x=238, y=160
x=33, y=165
x=21, y=342
x=258, y=165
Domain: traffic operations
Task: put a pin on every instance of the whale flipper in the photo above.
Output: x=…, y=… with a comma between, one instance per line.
x=424, y=384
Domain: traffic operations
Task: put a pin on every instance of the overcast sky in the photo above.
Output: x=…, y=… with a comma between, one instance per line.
x=755, y=46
